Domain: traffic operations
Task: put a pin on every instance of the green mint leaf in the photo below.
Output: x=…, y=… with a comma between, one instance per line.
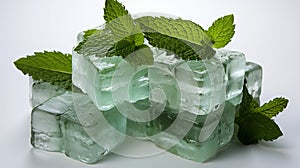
x=113, y=9
x=221, y=31
x=123, y=47
x=178, y=28
x=273, y=107
x=141, y=56
x=53, y=67
x=256, y=127
x=86, y=35
x=100, y=43
x=121, y=36
x=248, y=104
x=123, y=28
x=174, y=30
x=183, y=49
x=121, y=23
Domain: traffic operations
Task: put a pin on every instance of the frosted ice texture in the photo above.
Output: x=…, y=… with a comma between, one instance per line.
x=80, y=131
x=234, y=64
x=42, y=91
x=253, y=77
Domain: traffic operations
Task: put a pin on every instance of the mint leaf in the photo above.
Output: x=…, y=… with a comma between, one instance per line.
x=167, y=33
x=248, y=104
x=120, y=37
x=256, y=127
x=113, y=10
x=53, y=67
x=100, y=43
x=255, y=122
x=221, y=31
x=121, y=24
x=141, y=56
x=183, y=49
x=123, y=28
x=177, y=28
x=273, y=107
x=86, y=35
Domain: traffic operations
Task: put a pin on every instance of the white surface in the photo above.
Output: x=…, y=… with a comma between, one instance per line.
x=267, y=32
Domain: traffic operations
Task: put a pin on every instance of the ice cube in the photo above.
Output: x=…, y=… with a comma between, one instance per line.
x=72, y=124
x=140, y=115
x=42, y=91
x=94, y=76
x=234, y=65
x=191, y=144
x=46, y=133
x=202, y=85
x=109, y=80
x=253, y=77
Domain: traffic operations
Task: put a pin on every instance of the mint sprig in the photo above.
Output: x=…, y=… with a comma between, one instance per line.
x=121, y=37
x=255, y=122
x=54, y=67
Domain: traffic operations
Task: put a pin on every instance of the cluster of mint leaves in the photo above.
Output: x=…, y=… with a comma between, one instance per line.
x=256, y=122
x=125, y=36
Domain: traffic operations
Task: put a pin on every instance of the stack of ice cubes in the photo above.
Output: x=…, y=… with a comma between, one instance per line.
x=185, y=107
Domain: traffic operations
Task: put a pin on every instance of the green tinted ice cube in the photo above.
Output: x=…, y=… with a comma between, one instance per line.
x=253, y=77
x=234, y=65
x=196, y=145
x=72, y=124
x=42, y=91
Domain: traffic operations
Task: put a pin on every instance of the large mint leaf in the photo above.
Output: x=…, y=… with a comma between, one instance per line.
x=177, y=28
x=256, y=127
x=175, y=32
x=141, y=56
x=53, y=67
x=100, y=43
x=183, y=49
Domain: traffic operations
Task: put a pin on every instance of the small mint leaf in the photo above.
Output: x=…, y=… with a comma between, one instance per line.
x=53, y=67
x=113, y=9
x=86, y=35
x=273, y=107
x=221, y=31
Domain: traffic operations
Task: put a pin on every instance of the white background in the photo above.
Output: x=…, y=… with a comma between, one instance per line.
x=267, y=31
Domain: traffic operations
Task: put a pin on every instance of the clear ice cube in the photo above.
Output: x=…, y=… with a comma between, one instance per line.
x=70, y=123
x=234, y=63
x=46, y=133
x=193, y=86
x=253, y=76
x=42, y=91
x=192, y=145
